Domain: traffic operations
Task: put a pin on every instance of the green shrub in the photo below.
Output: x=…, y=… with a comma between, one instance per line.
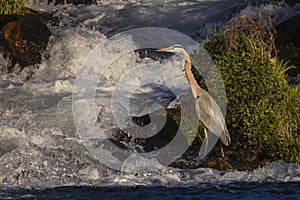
x=12, y=6
x=263, y=112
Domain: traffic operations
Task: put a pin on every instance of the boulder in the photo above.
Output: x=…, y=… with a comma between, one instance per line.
x=25, y=39
x=288, y=42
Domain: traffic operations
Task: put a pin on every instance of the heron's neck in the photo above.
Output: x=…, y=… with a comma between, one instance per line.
x=190, y=77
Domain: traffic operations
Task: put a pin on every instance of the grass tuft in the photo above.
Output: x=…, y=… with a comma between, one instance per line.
x=12, y=6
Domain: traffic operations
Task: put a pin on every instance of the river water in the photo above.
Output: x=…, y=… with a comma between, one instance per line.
x=44, y=154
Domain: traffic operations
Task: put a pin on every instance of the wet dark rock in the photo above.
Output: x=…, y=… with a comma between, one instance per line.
x=165, y=135
x=75, y=2
x=116, y=148
x=25, y=39
x=217, y=163
x=288, y=42
x=119, y=135
x=126, y=143
x=141, y=121
x=159, y=140
x=117, y=143
x=121, y=144
x=151, y=53
x=4, y=19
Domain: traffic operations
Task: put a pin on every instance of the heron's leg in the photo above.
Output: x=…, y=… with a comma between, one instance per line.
x=222, y=150
x=206, y=140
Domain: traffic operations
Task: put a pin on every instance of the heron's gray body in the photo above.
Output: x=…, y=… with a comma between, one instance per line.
x=208, y=111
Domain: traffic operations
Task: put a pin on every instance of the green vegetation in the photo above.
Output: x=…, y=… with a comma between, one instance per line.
x=263, y=112
x=12, y=6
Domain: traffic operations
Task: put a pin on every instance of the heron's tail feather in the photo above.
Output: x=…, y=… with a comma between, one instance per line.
x=225, y=137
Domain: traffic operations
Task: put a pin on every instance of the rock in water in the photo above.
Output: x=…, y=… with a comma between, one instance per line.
x=288, y=42
x=25, y=39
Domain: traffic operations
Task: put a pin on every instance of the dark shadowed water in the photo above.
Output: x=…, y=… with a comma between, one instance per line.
x=203, y=191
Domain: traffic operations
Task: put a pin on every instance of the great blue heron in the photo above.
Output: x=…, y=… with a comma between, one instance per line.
x=208, y=111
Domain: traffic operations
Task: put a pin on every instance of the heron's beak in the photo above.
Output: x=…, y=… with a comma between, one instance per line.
x=163, y=50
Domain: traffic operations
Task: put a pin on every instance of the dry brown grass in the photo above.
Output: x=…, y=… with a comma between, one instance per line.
x=244, y=28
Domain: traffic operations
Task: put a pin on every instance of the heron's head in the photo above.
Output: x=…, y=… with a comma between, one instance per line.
x=173, y=49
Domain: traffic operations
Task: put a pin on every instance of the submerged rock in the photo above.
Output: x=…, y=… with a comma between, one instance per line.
x=25, y=39
x=288, y=42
